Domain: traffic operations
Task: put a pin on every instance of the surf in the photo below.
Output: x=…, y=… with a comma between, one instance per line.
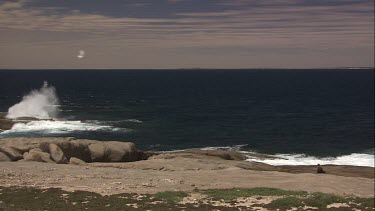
x=38, y=113
x=58, y=127
x=41, y=104
x=354, y=159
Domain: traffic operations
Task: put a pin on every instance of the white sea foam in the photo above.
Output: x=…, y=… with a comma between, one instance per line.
x=133, y=120
x=124, y=120
x=354, y=159
x=41, y=104
x=58, y=127
x=225, y=148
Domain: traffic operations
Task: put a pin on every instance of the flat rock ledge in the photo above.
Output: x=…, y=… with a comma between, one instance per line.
x=7, y=124
x=68, y=150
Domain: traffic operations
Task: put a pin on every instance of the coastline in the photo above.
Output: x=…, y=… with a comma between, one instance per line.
x=185, y=171
x=299, y=158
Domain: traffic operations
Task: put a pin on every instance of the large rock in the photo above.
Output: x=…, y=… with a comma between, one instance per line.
x=76, y=161
x=62, y=149
x=22, y=145
x=97, y=152
x=70, y=147
x=80, y=149
x=55, y=151
x=38, y=156
x=5, y=124
x=114, y=151
x=12, y=153
x=226, y=155
x=57, y=154
x=121, y=151
x=4, y=157
x=26, y=119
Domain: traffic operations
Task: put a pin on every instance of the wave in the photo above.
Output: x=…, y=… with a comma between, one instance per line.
x=226, y=148
x=58, y=127
x=124, y=121
x=133, y=120
x=41, y=104
x=113, y=122
x=354, y=159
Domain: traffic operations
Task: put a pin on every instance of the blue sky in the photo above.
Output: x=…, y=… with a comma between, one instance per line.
x=186, y=33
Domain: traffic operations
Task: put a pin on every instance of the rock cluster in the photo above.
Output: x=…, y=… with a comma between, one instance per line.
x=68, y=150
x=5, y=124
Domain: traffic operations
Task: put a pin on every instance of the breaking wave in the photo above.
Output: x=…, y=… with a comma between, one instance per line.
x=225, y=148
x=111, y=122
x=59, y=127
x=355, y=159
x=41, y=104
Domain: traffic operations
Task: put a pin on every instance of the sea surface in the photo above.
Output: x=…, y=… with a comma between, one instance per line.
x=303, y=116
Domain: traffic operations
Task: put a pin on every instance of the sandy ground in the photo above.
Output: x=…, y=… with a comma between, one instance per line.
x=183, y=173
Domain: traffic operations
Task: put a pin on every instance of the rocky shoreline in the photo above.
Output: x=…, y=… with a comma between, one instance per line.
x=82, y=151
x=5, y=124
x=64, y=150
x=119, y=167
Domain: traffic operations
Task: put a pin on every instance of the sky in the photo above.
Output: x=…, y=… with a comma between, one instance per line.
x=157, y=34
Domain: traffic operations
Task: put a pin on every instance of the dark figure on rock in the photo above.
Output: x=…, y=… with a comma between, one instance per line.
x=320, y=170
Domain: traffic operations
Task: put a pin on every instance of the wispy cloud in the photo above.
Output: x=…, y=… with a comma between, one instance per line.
x=349, y=18
x=282, y=25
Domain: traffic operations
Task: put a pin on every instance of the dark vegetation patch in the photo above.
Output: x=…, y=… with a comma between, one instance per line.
x=321, y=200
x=285, y=203
x=171, y=196
x=27, y=198
x=230, y=194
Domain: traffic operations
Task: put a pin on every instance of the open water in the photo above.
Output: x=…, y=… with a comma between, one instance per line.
x=304, y=116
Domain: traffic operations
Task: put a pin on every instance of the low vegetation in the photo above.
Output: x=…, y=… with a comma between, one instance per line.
x=322, y=200
x=286, y=203
x=26, y=198
x=230, y=194
x=171, y=196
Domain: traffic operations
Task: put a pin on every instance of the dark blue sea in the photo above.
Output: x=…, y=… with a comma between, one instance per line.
x=299, y=114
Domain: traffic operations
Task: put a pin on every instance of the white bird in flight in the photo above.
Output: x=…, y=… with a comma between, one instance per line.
x=81, y=54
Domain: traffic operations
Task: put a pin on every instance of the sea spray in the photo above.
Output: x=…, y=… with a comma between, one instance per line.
x=41, y=104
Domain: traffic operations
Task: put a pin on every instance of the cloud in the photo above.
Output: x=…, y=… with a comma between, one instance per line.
x=248, y=21
x=19, y=16
x=236, y=27
x=175, y=1
x=137, y=4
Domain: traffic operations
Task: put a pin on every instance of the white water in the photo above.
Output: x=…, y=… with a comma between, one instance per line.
x=41, y=104
x=58, y=127
x=225, y=148
x=354, y=159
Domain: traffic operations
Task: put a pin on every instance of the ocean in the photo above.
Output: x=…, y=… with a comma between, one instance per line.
x=302, y=116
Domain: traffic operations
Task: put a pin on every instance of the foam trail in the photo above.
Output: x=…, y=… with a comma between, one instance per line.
x=354, y=159
x=40, y=104
x=59, y=127
x=225, y=148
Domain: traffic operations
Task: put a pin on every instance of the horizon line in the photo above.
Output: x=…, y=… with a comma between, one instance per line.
x=198, y=68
